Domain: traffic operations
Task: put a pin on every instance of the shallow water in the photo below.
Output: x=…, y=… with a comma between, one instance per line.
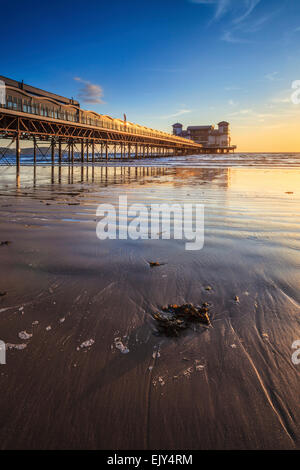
x=229, y=386
x=206, y=160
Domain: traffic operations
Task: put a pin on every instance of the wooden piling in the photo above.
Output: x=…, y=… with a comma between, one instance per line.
x=18, y=151
x=34, y=150
x=82, y=151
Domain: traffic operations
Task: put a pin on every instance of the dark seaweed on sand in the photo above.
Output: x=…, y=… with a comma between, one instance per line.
x=176, y=318
x=6, y=242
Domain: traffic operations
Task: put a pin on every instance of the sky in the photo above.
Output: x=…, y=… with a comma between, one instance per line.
x=164, y=61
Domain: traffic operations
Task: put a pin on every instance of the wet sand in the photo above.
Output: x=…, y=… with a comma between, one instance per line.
x=230, y=386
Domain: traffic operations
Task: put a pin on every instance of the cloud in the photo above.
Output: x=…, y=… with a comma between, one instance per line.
x=260, y=115
x=242, y=112
x=283, y=97
x=281, y=100
x=242, y=20
x=272, y=77
x=231, y=88
x=222, y=7
x=178, y=113
x=89, y=92
x=232, y=103
x=254, y=26
x=250, y=5
x=228, y=36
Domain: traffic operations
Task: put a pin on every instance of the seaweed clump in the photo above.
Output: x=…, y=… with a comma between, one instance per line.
x=174, y=319
x=6, y=242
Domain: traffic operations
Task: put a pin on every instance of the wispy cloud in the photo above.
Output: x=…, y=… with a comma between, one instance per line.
x=249, y=5
x=242, y=112
x=241, y=21
x=221, y=6
x=178, y=113
x=232, y=88
x=283, y=97
x=262, y=116
x=272, y=77
x=228, y=36
x=89, y=92
x=242, y=8
x=246, y=27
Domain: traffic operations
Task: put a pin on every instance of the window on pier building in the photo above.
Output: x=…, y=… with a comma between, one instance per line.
x=26, y=106
x=9, y=101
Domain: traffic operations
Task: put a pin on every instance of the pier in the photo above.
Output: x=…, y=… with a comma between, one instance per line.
x=57, y=130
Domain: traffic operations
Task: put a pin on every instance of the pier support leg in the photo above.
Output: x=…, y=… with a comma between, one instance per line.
x=106, y=151
x=72, y=152
x=18, y=152
x=87, y=150
x=52, y=152
x=34, y=150
x=52, y=159
x=93, y=151
x=59, y=152
x=82, y=151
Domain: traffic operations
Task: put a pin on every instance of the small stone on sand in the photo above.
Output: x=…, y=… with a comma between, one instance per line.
x=24, y=335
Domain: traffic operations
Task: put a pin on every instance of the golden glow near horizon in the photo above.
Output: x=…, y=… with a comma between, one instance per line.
x=279, y=137
x=272, y=126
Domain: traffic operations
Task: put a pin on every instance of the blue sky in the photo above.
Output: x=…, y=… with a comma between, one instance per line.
x=164, y=61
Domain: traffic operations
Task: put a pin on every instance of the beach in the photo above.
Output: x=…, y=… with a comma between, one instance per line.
x=95, y=374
